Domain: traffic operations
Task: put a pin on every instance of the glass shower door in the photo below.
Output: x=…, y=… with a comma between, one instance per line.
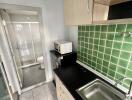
x=24, y=43
x=4, y=94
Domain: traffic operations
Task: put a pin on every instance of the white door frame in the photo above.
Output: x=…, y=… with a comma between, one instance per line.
x=28, y=8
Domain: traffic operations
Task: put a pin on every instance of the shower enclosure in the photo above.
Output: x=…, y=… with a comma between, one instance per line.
x=4, y=89
x=22, y=30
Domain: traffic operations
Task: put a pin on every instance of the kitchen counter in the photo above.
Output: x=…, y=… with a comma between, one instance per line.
x=73, y=77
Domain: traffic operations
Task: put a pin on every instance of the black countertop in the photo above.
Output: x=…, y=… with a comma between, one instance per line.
x=73, y=77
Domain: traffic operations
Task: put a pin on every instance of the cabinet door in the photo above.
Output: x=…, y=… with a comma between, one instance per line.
x=105, y=2
x=78, y=12
x=100, y=12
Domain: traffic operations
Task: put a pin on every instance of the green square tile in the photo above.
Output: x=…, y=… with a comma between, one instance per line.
x=83, y=28
x=86, y=40
x=123, y=63
x=110, y=77
x=79, y=33
x=104, y=28
x=130, y=65
x=106, y=57
x=94, y=59
x=110, y=36
x=87, y=28
x=107, y=50
x=129, y=28
x=121, y=70
x=92, y=28
x=98, y=67
x=118, y=37
x=87, y=45
x=83, y=34
x=103, y=36
x=100, y=55
x=121, y=28
x=102, y=42
x=111, y=28
x=113, y=60
x=79, y=38
x=99, y=61
x=129, y=73
x=85, y=62
x=128, y=39
x=91, y=41
x=91, y=34
x=127, y=82
x=96, y=41
x=97, y=34
x=105, y=63
x=85, y=50
x=82, y=49
x=97, y=28
x=112, y=66
x=111, y=73
x=126, y=86
x=86, y=34
x=95, y=47
x=82, y=38
x=90, y=46
x=101, y=49
x=127, y=46
x=115, y=52
x=118, y=76
x=85, y=59
x=95, y=53
x=109, y=43
x=89, y=52
x=104, y=69
x=79, y=28
x=117, y=45
x=93, y=64
x=105, y=74
x=82, y=44
x=125, y=55
x=88, y=63
x=89, y=57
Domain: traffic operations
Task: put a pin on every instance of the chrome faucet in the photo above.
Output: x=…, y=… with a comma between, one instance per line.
x=129, y=94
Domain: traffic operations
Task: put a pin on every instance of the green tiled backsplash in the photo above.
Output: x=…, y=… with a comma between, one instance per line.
x=106, y=50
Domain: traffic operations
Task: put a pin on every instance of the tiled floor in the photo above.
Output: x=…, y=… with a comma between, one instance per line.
x=44, y=92
x=39, y=75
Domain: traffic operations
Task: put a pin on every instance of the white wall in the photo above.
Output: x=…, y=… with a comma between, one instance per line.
x=72, y=35
x=52, y=11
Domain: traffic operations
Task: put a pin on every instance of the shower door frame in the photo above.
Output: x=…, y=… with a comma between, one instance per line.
x=5, y=79
x=42, y=36
x=32, y=44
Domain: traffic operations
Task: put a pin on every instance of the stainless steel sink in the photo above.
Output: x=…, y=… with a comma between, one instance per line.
x=100, y=90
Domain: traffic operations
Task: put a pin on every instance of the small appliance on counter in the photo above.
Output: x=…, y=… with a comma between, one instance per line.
x=63, y=47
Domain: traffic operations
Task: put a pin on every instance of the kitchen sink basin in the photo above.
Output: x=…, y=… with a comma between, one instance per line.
x=100, y=90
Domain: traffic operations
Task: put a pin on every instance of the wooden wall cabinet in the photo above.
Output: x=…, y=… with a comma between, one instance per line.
x=104, y=2
x=100, y=12
x=62, y=92
x=78, y=12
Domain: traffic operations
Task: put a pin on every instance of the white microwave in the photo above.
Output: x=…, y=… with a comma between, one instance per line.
x=63, y=47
